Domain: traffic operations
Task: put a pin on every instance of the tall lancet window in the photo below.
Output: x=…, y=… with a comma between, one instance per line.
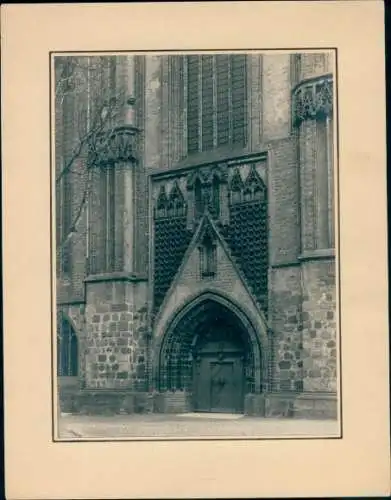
x=108, y=187
x=215, y=198
x=67, y=350
x=198, y=195
x=216, y=101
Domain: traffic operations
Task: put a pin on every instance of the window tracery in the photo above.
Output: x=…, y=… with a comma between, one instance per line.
x=207, y=193
x=236, y=187
x=254, y=185
x=216, y=101
x=172, y=205
x=252, y=189
x=162, y=202
x=177, y=201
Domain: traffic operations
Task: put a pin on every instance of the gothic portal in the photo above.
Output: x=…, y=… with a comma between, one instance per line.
x=212, y=355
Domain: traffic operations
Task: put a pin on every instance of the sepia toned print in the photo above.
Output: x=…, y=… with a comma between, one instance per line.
x=196, y=280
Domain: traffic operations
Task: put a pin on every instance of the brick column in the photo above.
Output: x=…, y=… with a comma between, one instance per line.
x=312, y=115
x=312, y=111
x=116, y=324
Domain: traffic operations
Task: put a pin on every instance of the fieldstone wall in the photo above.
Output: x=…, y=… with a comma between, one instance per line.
x=319, y=326
x=303, y=318
x=116, y=336
x=286, y=336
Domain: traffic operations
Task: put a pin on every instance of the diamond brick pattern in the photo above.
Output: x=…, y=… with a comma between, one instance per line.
x=248, y=241
x=171, y=241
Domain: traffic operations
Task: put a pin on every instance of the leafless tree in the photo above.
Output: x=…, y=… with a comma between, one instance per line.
x=97, y=104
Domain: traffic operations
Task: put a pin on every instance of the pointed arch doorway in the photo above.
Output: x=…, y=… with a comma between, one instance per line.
x=210, y=352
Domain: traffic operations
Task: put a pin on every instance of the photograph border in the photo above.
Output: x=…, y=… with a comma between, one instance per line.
x=337, y=261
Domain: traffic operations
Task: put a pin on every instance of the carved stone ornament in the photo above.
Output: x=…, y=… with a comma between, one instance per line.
x=206, y=175
x=313, y=100
x=118, y=145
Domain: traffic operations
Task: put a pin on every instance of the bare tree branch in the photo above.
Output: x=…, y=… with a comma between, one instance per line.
x=74, y=225
x=94, y=121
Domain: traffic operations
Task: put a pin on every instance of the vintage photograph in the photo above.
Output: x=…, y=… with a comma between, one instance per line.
x=195, y=245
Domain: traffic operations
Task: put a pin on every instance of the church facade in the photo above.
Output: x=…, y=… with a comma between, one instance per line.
x=195, y=236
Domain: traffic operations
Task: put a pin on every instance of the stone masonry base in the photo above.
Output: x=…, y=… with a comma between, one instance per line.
x=272, y=405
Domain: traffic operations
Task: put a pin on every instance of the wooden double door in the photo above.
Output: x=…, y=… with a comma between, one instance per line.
x=219, y=382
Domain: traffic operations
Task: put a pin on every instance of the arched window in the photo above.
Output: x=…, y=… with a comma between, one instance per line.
x=67, y=350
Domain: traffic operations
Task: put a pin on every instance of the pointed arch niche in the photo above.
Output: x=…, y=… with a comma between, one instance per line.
x=207, y=190
x=67, y=349
x=208, y=254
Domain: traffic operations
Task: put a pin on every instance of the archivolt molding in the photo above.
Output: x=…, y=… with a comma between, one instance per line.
x=175, y=312
x=255, y=327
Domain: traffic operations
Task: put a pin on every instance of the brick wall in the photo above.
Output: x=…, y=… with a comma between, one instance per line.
x=276, y=88
x=254, y=83
x=67, y=138
x=140, y=195
x=284, y=201
x=152, y=128
x=308, y=184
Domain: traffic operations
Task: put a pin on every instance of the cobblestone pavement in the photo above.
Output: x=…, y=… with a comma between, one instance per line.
x=191, y=426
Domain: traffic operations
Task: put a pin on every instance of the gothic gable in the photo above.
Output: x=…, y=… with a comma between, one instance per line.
x=232, y=196
x=208, y=265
